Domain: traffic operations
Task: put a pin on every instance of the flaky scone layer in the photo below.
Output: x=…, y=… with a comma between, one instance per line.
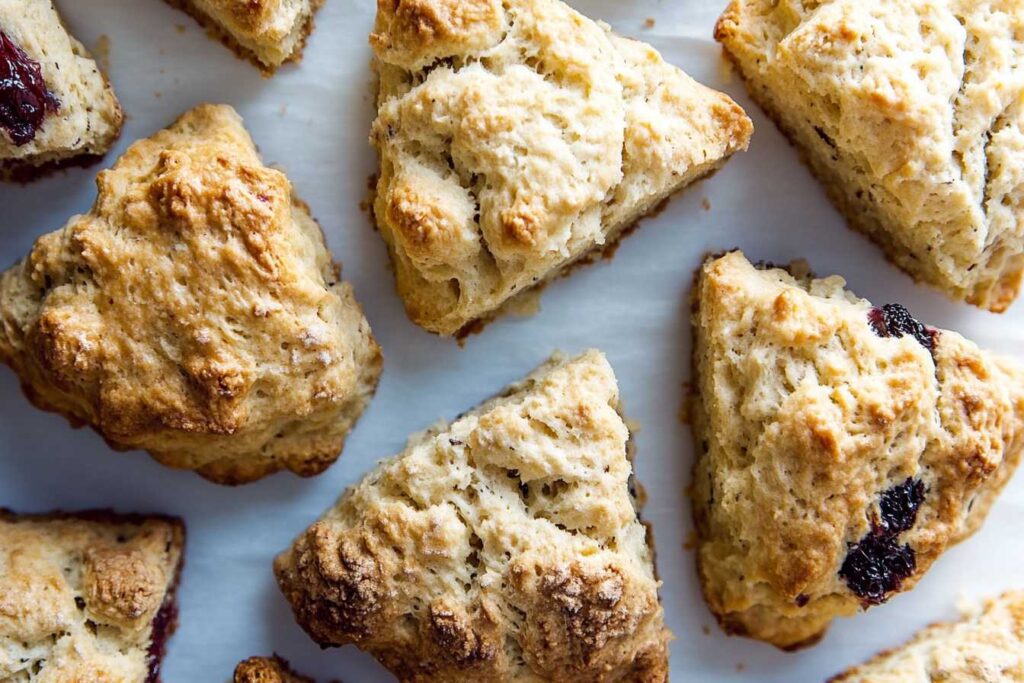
x=515, y=137
x=910, y=113
x=502, y=547
x=194, y=312
x=836, y=459
x=87, y=597
x=987, y=647
x=88, y=117
x=269, y=32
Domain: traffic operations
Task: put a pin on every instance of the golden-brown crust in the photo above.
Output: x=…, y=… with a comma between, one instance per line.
x=194, y=312
x=503, y=547
x=805, y=419
x=267, y=670
x=238, y=23
x=517, y=138
x=73, y=584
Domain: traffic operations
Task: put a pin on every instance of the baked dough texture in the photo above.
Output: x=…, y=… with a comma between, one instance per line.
x=505, y=546
x=834, y=464
x=88, y=118
x=267, y=670
x=86, y=597
x=269, y=33
x=987, y=647
x=194, y=312
x=910, y=113
x=515, y=138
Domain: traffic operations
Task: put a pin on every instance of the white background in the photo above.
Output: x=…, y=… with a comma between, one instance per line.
x=313, y=120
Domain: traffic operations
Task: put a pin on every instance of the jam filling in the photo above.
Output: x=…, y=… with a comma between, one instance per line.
x=878, y=564
x=894, y=320
x=24, y=97
x=163, y=627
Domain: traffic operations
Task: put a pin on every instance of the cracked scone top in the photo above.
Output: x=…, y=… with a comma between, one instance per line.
x=86, y=597
x=910, y=113
x=55, y=105
x=194, y=312
x=505, y=546
x=516, y=137
x=269, y=33
x=267, y=670
x=987, y=647
x=841, y=448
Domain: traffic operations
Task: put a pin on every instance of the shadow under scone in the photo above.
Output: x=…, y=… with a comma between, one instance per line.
x=841, y=448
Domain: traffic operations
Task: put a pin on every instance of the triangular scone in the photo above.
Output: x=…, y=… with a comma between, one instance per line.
x=56, y=108
x=269, y=33
x=87, y=597
x=910, y=113
x=505, y=546
x=841, y=448
x=987, y=647
x=516, y=137
x=194, y=312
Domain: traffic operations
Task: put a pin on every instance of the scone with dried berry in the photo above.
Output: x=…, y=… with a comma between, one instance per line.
x=987, y=647
x=841, y=448
x=910, y=113
x=56, y=108
x=517, y=137
x=505, y=546
x=269, y=33
x=267, y=670
x=87, y=596
x=194, y=312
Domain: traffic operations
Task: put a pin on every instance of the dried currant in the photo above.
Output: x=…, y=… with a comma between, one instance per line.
x=24, y=97
x=878, y=564
x=894, y=320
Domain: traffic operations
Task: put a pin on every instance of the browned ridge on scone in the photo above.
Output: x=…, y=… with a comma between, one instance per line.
x=505, y=546
x=515, y=138
x=87, y=596
x=267, y=670
x=841, y=447
x=910, y=114
x=194, y=312
x=987, y=647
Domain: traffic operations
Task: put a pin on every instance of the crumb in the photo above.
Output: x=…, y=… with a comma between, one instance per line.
x=705, y=204
x=283, y=110
x=706, y=629
x=649, y=23
x=157, y=94
x=691, y=541
x=180, y=28
x=102, y=52
x=740, y=666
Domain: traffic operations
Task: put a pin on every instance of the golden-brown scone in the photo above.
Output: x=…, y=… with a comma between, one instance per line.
x=987, y=647
x=841, y=448
x=910, y=114
x=56, y=108
x=515, y=138
x=267, y=670
x=505, y=546
x=194, y=312
x=87, y=597
x=269, y=33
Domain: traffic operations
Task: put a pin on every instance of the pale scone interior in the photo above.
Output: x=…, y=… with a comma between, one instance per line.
x=841, y=447
x=86, y=597
x=504, y=546
x=516, y=137
x=194, y=312
x=910, y=113
x=984, y=647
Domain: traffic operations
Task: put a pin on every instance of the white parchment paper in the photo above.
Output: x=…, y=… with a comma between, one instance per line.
x=313, y=121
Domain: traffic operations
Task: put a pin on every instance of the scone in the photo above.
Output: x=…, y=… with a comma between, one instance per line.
x=841, y=447
x=505, y=546
x=517, y=137
x=910, y=114
x=87, y=597
x=56, y=108
x=269, y=33
x=983, y=648
x=267, y=670
x=194, y=312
